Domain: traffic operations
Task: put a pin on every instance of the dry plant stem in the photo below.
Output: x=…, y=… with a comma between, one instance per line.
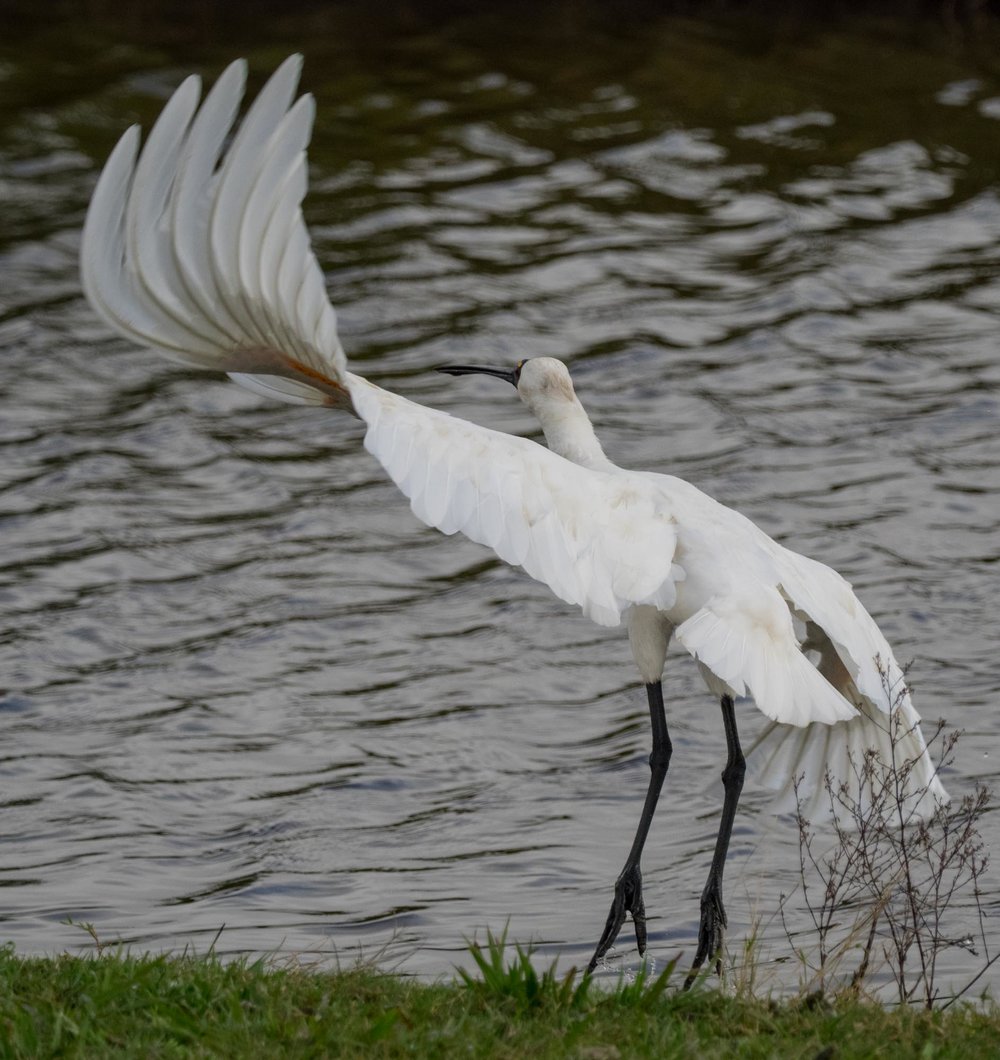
x=891, y=880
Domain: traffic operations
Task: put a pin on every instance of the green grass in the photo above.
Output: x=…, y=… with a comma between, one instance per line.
x=117, y=1004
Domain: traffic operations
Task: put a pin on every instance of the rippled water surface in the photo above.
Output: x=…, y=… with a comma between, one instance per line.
x=242, y=686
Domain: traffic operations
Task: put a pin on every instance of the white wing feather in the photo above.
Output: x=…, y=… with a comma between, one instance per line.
x=820, y=593
x=172, y=246
x=746, y=639
x=600, y=541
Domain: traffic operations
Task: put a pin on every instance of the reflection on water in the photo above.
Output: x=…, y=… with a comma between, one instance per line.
x=242, y=686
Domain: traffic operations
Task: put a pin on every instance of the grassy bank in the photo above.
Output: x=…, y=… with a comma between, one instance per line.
x=121, y=1005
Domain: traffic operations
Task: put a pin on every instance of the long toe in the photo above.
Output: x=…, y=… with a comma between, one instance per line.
x=638, y=911
x=627, y=899
x=710, y=936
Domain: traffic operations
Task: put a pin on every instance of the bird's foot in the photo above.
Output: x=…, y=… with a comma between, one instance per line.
x=628, y=899
x=710, y=933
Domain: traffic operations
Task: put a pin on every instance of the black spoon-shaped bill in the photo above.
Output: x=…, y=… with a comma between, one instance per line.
x=510, y=374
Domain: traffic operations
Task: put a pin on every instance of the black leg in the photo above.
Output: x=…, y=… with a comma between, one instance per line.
x=713, y=914
x=628, y=887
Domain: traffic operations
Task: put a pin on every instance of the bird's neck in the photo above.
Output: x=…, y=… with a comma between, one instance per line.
x=570, y=433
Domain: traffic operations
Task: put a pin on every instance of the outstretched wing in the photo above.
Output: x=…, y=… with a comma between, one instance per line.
x=855, y=657
x=601, y=541
x=200, y=251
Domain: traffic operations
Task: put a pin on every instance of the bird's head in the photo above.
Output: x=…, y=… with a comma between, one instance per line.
x=540, y=381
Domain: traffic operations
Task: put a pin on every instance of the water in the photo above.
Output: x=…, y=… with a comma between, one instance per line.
x=243, y=687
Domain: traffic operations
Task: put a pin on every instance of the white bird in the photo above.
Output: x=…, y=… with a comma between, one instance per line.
x=199, y=251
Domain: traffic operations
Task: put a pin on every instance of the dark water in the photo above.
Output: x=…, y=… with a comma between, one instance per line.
x=244, y=687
